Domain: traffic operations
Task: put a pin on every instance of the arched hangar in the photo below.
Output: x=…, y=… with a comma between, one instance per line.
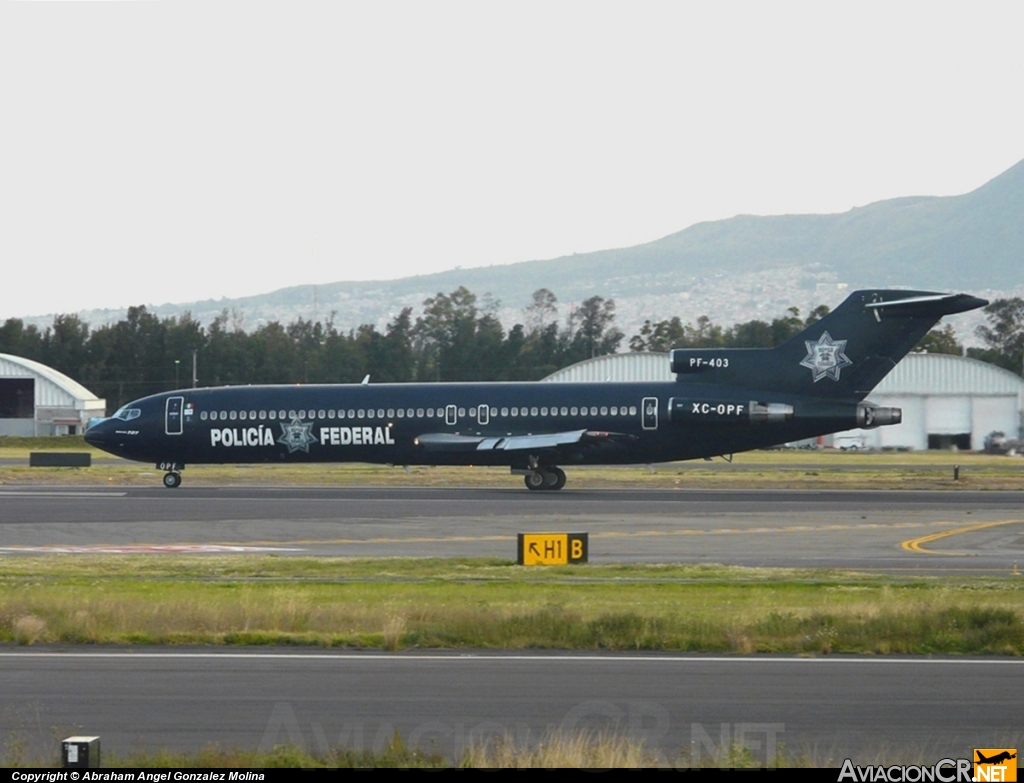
x=947, y=400
x=38, y=400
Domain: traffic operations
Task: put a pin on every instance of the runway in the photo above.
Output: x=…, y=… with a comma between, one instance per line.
x=918, y=710
x=894, y=709
x=892, y=531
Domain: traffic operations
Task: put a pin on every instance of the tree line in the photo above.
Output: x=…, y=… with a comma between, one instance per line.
x=456, y=337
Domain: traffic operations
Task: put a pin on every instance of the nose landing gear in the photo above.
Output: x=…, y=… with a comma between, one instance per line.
x=172, y=478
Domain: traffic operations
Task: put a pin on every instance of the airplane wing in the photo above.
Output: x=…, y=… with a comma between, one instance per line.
x=445, y=441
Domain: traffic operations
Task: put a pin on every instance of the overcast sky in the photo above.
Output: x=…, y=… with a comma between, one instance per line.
x=174, y=151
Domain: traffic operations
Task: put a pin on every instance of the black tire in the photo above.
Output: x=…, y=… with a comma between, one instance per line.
x=535, y=481
x=559, y=475
x=172, y=480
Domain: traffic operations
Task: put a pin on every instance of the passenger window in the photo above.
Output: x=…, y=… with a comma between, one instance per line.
x=233, y=415
x=504, y=411
x=331, y=413
x=440, y=413
x=543, y=411
x=272, y=415
x=351, y=413
x=615, y=411
x=401, y=413
x=291, y=414
x=263, y=415
x=361, y=414
x=574, y=410
x=391, y=413
x=341, y=413
x=533, y=411
x=462, y=412
x=410, y=412
x=632, y=410
x=203, y=415
x=515, y=411
x=369, y=413
x=430, y=413
x=494, y=411
x=243, y=415
x=321, y=414
x=380, y=413
x=565, y=411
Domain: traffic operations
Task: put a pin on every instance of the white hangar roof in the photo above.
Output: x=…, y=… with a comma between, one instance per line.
x=616, y=367
x=929, y=374
x=924, y=374
x=54, y=389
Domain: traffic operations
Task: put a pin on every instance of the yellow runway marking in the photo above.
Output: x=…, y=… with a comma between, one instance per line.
x=719, y=531
x=915, y=544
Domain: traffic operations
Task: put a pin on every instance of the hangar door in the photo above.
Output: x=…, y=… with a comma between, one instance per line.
x=993, y=414
x=17, y=398
x=948, y=422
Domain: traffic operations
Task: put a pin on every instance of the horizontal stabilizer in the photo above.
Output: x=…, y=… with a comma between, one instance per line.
x=934, y=305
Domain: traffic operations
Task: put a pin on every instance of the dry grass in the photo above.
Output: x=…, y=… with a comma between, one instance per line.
x=27, y=629
x=756, y=469
x=500, y=606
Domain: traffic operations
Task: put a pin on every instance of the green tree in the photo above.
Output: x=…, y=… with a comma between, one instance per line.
x=20, y=340
x=591, y=330
x=1003, y=335
x=940, y=341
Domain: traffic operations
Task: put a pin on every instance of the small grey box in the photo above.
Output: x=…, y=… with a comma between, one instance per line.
x=80, y=753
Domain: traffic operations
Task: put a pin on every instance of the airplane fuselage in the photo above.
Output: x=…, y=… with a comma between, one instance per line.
x=723, y=401
x=384, y=423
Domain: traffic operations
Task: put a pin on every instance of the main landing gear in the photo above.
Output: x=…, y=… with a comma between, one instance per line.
x=547, y=477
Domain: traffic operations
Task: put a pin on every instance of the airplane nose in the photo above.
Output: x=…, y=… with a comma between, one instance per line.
x=94, y=434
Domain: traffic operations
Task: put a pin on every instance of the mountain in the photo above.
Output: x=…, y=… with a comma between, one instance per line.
x=736, y=269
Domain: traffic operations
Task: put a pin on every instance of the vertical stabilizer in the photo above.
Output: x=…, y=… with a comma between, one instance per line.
x=844, y=355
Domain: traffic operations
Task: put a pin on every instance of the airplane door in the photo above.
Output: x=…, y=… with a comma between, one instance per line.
x=172, y=419
x=483, y=414
x=450, y=416
x=649, y=413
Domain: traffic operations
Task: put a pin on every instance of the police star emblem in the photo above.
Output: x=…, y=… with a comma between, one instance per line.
x=825, y=358
x=297, y=436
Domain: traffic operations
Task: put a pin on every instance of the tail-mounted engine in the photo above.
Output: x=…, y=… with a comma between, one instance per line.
x=865, y=415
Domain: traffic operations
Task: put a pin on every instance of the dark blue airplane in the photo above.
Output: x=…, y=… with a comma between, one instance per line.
x=723, y=401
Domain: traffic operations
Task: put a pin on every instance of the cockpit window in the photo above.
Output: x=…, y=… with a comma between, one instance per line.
x=127, y=414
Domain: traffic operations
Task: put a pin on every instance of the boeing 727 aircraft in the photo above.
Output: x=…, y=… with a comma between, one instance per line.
x=723, y=401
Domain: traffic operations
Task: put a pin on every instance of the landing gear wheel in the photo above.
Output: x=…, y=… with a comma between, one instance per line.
x=172, y=480
x=535, y=481
x=555, y=478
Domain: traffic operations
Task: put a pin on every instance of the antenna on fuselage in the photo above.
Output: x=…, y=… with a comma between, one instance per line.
x=366, y=380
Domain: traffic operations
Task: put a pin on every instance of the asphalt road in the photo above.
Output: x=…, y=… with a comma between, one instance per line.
x=891, y=710
x=968, y=532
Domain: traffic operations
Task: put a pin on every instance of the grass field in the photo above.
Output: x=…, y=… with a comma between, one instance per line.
x=407, y=603
x=757, y=469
